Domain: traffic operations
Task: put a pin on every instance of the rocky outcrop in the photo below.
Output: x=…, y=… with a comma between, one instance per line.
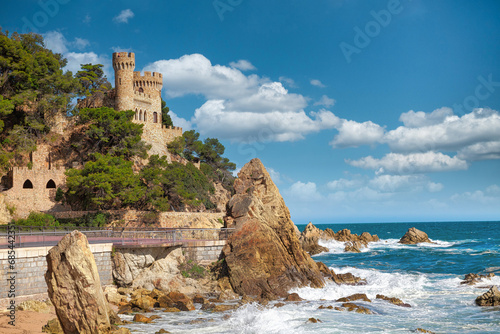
x=471, y=279
x=490, y=298
x=414, y=236
x=309, y=239
x=220, y=197
x=74, y=286
x=263, y=256
x=393, y=300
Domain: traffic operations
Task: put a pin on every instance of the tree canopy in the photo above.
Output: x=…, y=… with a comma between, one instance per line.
x=92, y=79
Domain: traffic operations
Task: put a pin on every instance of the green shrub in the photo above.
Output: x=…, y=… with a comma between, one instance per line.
x=38, y=219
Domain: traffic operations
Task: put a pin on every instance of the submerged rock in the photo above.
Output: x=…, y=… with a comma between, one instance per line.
x=414, y=236
x=490, y=298
x=74, y=286
x=263, y=256
x=393, y=300
x=351, y=307
x=357, y=296
x=472, y=278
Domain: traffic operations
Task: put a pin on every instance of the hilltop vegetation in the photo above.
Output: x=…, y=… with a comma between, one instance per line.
x=115, y=171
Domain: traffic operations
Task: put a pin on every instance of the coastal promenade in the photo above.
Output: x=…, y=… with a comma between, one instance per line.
x=39, y=236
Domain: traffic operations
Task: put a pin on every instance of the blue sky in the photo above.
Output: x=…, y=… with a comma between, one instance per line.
x=362, y=111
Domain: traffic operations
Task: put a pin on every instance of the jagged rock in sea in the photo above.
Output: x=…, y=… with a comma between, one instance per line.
x=311, y=235
x=263, y=257
x=414, y=236
x=472, y=278
x=74, y=286
x=309, y=240
x=490, y=298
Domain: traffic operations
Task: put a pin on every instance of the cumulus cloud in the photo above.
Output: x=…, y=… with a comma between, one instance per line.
x=412, y=119
x=444, y=131
x=325, y=101
x=56, y=41
x=395, y=163
x=304, y=191
x=185, y=124
x=243, y=65
x=344, y=184
x=354, y=134
x=398, y=183
x=240, y=107
x=317, y=83
x=480, y=151
x=275, y=175
x=124, y=16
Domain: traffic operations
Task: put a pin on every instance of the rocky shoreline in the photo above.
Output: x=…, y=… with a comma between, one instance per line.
x=264, y=259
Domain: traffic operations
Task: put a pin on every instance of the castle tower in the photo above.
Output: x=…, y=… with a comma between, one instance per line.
x=124, y=65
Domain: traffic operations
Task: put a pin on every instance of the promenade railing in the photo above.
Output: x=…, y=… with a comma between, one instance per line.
x=38, y=236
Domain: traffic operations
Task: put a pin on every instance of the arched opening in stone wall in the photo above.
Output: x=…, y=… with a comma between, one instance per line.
x=155, y=117
x=145, y=119
x=27, y=184
x=51, y=184
x=135, y=116
x=141, y=90
x=140, y=115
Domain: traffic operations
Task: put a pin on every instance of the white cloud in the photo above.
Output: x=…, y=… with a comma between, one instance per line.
x=317, y=83
x=55, y=41
x=80, y=43
x=395, y=163
x=493, y=190
x=75, y=60
x=124, y=16
x=399, y=183
x=243, y=65
x=288, y=81
x=445, y=132
x=344, y=184
x=120, y=49
x=480, y=151
x=325, y=101
x=87, y=18
x=354, y=134
x=239, y=107
x=412, y=119
x=304, y=191
x=179, y=121
x=473, y=197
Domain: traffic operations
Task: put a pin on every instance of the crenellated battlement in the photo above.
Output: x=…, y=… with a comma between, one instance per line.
x=123, y=61
x=148, y=81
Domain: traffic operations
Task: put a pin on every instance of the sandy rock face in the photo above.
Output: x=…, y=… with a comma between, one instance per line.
x=5, y=216
x=414, y=236
x=264, y=256
x=309, y=240
x=490, y=298
x=74, y=286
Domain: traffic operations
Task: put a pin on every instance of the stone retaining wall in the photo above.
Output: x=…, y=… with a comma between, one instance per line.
x=31, y=265
x=204, y=252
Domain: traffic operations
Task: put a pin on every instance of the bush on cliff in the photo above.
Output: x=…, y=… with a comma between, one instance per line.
x=38, y=219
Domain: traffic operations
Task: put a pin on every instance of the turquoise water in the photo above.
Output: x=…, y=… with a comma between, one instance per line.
x=426, y=276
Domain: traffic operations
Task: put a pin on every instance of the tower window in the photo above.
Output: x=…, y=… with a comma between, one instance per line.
x=141, y=90
x=27, y=185
x=145, y=119
x=51, y=184
x=120, y=80
x=155, y=117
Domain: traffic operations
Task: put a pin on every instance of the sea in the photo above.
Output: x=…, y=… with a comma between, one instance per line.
x=426, y=276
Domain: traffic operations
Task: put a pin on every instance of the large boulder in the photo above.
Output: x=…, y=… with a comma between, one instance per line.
x=414, y=236
x=263, y=256
x=490, y=298
x=74, y=286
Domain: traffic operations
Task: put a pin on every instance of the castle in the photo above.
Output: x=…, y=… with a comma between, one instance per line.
x=142, y=93
x=34, y=188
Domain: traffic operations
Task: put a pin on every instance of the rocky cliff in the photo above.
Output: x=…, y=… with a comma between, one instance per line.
x=263, y=257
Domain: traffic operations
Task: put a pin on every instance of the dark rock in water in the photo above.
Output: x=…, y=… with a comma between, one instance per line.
x=74, y=286
x=309, y=240
x=472, y=278
x=162, y=331
x=421, y=330
x=347, y=279
x=352, y=246
x=322, y=307
x=142, y=318
x=490, y=298
x=393, y=300
x=351, y=307
x=314, y=320
x=293, y=297
x=414, y=236
x=357, y=296
x=263, y=256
